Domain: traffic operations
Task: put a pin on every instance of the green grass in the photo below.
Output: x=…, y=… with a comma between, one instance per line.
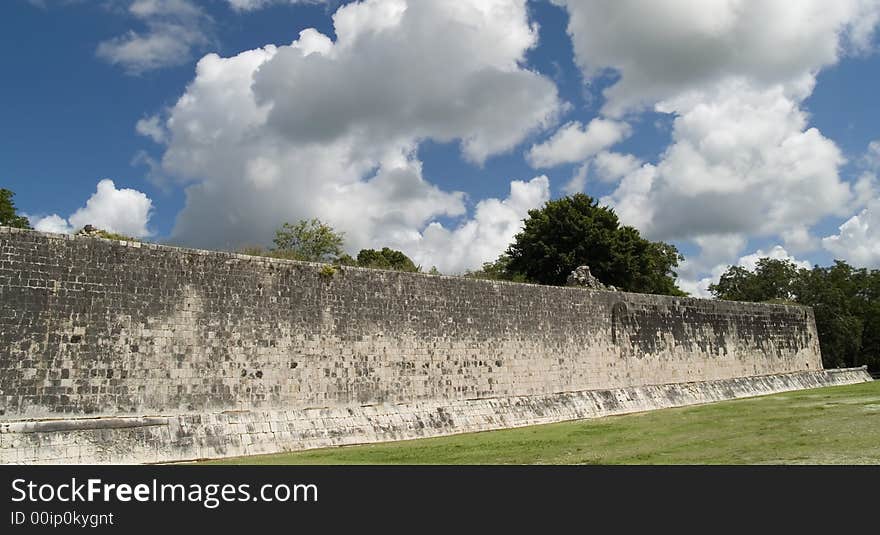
x=836, y=425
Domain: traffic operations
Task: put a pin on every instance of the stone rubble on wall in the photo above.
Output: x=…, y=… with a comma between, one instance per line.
x=581, y=277
x=88, y=230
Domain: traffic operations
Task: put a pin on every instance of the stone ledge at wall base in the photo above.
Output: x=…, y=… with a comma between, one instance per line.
x=185, y=437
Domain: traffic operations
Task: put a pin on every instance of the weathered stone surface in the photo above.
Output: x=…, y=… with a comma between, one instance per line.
x=93, y=328
x=581, y=277
x=88, y=230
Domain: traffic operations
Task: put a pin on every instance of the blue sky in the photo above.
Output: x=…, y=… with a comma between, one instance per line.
x=706, y=90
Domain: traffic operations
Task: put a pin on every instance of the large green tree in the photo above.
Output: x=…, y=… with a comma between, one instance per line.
x=8, y=215
x=310, y=240
x=574, y=231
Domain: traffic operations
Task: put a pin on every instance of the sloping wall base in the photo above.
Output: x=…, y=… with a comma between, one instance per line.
x=180, y=437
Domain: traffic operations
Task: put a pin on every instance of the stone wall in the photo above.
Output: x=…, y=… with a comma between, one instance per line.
x=128, y=332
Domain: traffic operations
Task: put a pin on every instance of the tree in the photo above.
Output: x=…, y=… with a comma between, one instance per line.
x=497, y=270
x=574, y=231
x=386, y=259
x=8, y=216
x=772, y=279
x=845, y=302
x=833, y=293
x=309, y=240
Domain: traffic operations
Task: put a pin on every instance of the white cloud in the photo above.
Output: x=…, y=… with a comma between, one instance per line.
x=52, y=223
x=858, y=241
x=799, y=240
x=174, y=29
x=482, y=238
x=607, y=167
x=125, y=211
x=872, y=155
x=743, y=159
x=152, y=128
x=716, y=252
x=578, y=180
x=632, y=199
x=250, y=5
x=612, y=166
x=574, y=143
x=464, y=82
x=664, y=48
x=866, y=188
x=777, y=252
x=330, y=129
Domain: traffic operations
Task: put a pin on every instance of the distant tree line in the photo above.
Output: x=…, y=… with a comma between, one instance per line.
x=845, y=301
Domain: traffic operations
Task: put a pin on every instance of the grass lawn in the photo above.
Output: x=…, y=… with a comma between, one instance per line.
x=836, y=425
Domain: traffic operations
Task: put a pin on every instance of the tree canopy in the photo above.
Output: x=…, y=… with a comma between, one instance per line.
x=845, y=301
x=772, y=279
x=574, y=231
x=497, y=270
x=309, y=240
x=8, y=215
x=385, y=258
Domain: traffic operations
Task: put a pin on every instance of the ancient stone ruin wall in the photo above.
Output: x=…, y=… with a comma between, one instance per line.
x=154, y=347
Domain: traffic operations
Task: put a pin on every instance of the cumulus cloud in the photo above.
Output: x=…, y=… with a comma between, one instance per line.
x=799, y=240
x=777, y=252
x=858, y=240
x=574, y=142
x=742, y=159
x=152, y=128
x=173, y=30
x=612, y=166
x=664, y=48
x=578, y=180
x=717, y=251
x=330, y=129
x=126, y=211
x=872, y=155
x=866, y=189
x=482, y=238
x=394, y=74
x=251, y=5
x=52, y=223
